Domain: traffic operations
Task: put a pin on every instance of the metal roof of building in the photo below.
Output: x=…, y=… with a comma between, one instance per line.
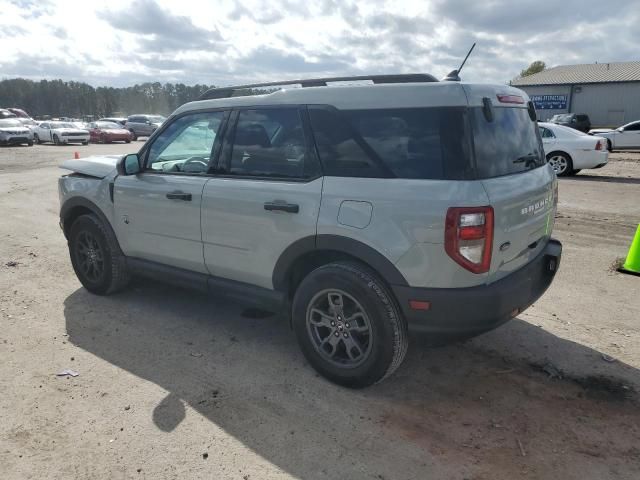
x=586, y=73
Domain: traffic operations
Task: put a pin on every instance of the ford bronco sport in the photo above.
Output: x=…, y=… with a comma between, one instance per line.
x=364, y=212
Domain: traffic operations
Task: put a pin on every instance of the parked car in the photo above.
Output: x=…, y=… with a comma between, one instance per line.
x=577, y=121
x=143, y=125
x=12, y=132
x=120, y=120
x=28, y=122
x=60, y=133
x=4, y=113
x=107, y=132
x=363, y=212
x=19, y=112
x=624, y=137
x=568, y=151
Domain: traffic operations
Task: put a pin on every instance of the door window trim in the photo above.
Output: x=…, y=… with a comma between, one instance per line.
x=143, y=154
x=310, y=154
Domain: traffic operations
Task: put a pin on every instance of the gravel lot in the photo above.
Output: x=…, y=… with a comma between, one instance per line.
x=176, y=385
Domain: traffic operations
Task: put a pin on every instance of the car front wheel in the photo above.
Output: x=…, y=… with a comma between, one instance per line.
x=348, y=325
x=96, y=257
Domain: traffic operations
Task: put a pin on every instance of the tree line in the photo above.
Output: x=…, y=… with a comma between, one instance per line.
x=58, y=98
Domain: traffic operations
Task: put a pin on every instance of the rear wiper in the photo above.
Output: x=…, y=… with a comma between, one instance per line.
x=531, y=157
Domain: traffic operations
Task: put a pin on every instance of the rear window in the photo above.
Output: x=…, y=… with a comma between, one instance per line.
x=509, y=144
x=425, y=143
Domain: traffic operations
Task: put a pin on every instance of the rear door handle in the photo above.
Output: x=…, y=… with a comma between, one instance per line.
x=179, y=196
x=283, y=207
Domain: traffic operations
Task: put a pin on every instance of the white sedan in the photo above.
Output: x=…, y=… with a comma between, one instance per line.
x=60, y=133
x=624, y=137
x=568, y=151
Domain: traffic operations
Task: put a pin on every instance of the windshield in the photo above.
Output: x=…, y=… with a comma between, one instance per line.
x=561, y=118
x=9, y=123
x=61, y=125
x=509, y=144
x=108, y=126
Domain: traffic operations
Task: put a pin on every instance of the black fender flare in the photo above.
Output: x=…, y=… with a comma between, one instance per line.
x=336, y=243
x=74, y=202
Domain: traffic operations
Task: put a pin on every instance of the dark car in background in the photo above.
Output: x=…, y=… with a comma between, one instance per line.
x=578, y=121
x=143, y=125
x=19, y=112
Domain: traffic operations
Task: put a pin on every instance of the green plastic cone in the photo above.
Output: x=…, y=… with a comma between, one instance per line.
x=632, y=264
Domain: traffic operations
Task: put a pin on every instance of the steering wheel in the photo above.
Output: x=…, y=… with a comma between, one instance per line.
x=195, y=161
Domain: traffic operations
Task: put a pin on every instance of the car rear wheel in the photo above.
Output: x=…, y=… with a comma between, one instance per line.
x=348, y=325
x=36, y=138
x=561, y=163
x=609, y=146
x=96, y=257
x=30, y=143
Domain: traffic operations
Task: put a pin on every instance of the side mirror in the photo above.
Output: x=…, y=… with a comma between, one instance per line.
x=129, y=165
x=148, y=122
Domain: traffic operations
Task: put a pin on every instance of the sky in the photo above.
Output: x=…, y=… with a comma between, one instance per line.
x=226, y=42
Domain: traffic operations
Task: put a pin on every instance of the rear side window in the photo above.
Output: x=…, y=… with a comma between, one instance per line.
x=270, y=142
x=509, y=144
x=423, y=143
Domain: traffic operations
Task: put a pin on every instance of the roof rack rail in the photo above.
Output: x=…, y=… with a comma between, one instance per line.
x=226, y=92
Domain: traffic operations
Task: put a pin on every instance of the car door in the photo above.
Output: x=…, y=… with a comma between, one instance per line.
x=265, y=197
x=549, y=140
x=157, y=212
x=44, y=132
x=629, y=137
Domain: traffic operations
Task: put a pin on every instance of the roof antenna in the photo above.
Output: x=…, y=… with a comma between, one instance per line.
x=454, y=75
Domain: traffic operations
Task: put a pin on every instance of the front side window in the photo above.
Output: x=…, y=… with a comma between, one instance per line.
x=632, y=127
x=270, y=142
x=186, y=145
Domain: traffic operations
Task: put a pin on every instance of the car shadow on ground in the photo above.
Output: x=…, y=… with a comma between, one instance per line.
x=602, y=178
x=456, y=406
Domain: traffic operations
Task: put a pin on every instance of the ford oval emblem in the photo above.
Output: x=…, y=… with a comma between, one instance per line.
x=505, y=246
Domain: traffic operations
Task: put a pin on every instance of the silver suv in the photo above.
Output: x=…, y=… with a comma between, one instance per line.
x=143, y=125
x=363, y=212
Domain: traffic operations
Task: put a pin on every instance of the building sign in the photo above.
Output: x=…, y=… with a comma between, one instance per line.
x=549, y=102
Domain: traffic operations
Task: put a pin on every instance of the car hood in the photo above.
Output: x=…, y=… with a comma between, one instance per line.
x=96, y=166
x=78, y=131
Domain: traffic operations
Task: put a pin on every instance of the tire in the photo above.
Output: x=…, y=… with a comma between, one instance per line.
x=85, y=143
x=134, y=137
x=609, y=146
x=561, y=163
x=378, y=337
x=56, y=140
x=36, y=139
x=102, y=268
x=127, y=141
x=30, y=144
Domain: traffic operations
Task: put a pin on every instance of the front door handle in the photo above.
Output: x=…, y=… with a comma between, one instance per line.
x=281, y=206
x=179, y=196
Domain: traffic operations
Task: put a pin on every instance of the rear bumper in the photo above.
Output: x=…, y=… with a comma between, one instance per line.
x=473, y=310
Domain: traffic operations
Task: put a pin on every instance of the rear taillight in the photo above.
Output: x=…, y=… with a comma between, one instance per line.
x=510, y=99
x=599, y=145
x=468, y=237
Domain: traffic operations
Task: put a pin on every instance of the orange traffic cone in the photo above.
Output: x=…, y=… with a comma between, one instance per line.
x=76, y=155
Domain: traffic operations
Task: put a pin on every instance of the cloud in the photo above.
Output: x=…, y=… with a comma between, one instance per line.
x=241, y=41
x=161, y=30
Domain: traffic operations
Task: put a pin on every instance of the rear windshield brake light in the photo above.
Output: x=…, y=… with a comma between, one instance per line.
x=510, y=99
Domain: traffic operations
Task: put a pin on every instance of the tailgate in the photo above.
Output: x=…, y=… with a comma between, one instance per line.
x=524, y=212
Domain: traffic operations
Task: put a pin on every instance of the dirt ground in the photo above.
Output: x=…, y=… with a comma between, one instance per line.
x=176, y=385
